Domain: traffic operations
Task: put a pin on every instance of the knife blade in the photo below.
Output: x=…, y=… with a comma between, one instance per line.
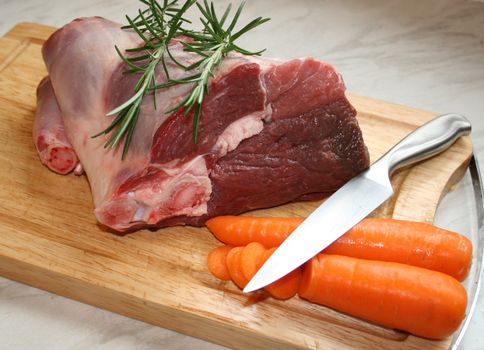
x=358, y=198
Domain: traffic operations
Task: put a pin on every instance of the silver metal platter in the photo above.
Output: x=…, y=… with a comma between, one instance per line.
x=462, y=210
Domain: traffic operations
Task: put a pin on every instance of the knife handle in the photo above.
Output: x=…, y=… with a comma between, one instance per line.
x=428, y=140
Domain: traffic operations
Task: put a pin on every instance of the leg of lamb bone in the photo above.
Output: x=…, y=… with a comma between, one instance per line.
x=271, y=132
x=54, y=150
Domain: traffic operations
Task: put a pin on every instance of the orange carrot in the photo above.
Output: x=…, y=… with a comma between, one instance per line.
x=217, y=262
x=251, y=259
x=234, y=267
x=285, y=287
x=253, y=256
x=414, y=243
x=242, y=230
x=423, y=302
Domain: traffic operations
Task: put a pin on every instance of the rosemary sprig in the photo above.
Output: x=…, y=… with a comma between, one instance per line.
x=212, y=44
x=157, y=25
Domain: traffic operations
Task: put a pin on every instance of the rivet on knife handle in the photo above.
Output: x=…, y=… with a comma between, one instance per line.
x=430, y=139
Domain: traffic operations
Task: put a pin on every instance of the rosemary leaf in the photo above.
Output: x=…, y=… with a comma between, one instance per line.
x=139, y=32
x=128, y=62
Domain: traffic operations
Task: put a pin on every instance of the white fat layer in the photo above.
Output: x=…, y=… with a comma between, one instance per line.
x=245, y=127
x=239, y=130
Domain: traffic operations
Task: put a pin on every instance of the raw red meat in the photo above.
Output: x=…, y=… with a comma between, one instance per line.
x=54, y=149
x=271, y=132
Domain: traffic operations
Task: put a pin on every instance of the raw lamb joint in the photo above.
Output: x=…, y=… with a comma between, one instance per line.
x=271, y=131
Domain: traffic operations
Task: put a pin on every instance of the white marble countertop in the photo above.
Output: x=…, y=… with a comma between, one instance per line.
x=425, y=54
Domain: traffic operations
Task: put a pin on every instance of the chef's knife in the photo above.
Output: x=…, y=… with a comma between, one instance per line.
x=358, y=198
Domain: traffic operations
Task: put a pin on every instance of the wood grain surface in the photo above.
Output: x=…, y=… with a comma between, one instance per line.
x=49, y=237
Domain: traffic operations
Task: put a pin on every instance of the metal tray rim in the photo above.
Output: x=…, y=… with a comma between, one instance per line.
x=475, y=287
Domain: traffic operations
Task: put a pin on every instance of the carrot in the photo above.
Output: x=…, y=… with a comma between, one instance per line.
x=414, y=243
x=217, y=262
x=242, y=230
x=234, y=267
x=423, y=302
x=285, y=287
x=251, y=259
x=253, y=256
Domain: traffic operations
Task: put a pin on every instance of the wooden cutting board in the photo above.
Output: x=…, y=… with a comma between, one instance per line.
x=49, y=237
